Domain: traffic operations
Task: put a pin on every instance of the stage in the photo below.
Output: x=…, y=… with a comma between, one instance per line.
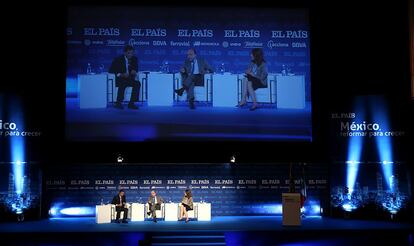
x=179, y=122
x=223, y=230
x=222, y=223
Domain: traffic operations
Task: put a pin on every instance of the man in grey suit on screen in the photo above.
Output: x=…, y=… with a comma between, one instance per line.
x=154, y=203
x=192, y=74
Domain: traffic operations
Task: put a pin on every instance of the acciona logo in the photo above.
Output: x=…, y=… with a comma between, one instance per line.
x=8, y=125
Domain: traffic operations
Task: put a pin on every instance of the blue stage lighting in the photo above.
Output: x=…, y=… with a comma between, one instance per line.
x=58, y=211
x=17, y=148
x=348, y=206
x=384, y=145
x=78, y=211
x=353, y=157
x=352, y=168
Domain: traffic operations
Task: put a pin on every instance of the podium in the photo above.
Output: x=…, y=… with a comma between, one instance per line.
x=291, y=209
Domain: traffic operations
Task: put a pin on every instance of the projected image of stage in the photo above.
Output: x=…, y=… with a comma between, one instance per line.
x=156, y=73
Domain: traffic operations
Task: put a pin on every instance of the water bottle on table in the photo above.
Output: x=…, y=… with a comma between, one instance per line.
x=89, y=69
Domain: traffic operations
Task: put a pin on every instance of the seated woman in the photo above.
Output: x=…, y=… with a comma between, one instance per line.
x=186, y=205
x=256, y=77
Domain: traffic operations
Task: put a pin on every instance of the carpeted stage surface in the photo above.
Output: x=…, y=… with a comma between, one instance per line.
x=231, y=230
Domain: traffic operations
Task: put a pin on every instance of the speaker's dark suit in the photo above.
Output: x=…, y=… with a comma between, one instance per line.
x=119, y=66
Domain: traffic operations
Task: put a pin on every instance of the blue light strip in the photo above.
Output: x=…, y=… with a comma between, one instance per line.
x=384, y=145
x=354, y=150
x=17, y=146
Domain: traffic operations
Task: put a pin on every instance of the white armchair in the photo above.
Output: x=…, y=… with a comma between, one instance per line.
x=192, y=214
x=113, y=212
x=159, y=213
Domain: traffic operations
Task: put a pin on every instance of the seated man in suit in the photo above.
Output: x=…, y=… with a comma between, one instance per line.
x=119, y=201
x=192, y=73
x=125, y=68
x=154, y=203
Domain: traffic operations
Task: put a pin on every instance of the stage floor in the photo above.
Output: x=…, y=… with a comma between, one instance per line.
x=220, y=224
x=181, y=123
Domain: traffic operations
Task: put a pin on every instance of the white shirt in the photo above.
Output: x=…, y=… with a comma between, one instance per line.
x=196, y=71
x=126, y=64
x=126, y=67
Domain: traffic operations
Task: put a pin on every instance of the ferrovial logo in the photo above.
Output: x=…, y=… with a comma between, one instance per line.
x=181, y=44
x=133, y=42
x=272, y=44
x=8, y=125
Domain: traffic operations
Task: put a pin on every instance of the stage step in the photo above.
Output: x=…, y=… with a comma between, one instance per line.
x=188, y=239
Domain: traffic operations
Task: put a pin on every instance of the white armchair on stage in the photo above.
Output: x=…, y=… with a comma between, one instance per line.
x=103, y=213
x=201, y=211
x=113, y=212
x=192, y=214
x=159, y=213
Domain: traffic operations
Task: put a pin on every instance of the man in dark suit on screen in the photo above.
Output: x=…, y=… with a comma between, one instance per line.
x=120, y=201
x=125, y=68
x=192, y=74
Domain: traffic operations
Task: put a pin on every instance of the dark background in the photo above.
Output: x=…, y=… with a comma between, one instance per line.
x=356, y=49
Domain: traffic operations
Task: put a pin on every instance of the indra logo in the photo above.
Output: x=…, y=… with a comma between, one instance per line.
x=87, y=42
x=225, y=44
x=8, y=125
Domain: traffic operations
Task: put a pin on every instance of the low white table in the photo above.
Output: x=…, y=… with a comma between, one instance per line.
x=103, y=213
x=160, y=89
x=204, y=211
x=171, y=211
x=92, y=90
x=290, y=91
x=225, y=92
x=137, y=212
